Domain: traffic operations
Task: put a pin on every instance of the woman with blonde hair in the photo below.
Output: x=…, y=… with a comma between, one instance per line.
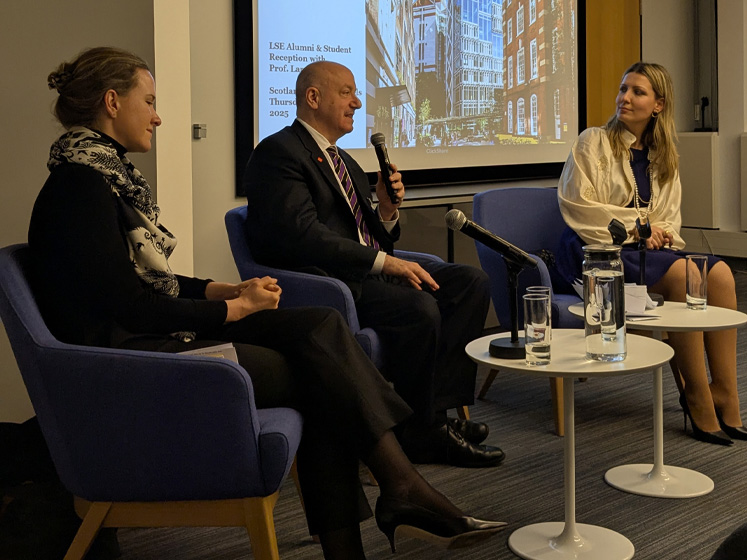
x=628, y=170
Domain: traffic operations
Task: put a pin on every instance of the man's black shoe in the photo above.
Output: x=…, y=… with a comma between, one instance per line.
x=445, y=446
x=473, y=432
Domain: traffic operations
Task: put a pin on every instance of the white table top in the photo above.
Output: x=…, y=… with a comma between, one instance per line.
x=675, y=316
x=568, y=356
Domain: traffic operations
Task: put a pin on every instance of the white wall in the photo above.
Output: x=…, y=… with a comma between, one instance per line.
x=667, y=38
x=213, y=157
x=174, y=106
x=34, y=38
x=732, y=98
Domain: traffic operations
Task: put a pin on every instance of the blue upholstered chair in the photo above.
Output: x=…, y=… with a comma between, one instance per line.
x=528, y=217
x=304, y=289
x=148, y=439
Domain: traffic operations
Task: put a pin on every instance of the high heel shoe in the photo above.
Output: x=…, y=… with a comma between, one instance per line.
x=718, y=437
x=738, y=432
x=398, y=517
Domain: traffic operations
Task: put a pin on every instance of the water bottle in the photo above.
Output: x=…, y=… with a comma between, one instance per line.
x=604, y=303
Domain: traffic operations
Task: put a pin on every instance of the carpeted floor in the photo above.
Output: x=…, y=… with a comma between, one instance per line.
x=613, y=427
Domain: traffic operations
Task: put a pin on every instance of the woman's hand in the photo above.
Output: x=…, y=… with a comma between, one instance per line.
x=221, y=291
x=254, y=295
x=659, y=238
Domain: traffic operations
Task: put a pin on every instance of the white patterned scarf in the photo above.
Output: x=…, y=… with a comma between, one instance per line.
x=150, y=243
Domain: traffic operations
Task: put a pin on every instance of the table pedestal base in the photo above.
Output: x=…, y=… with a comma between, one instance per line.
x=666, y=482
x=550, y=541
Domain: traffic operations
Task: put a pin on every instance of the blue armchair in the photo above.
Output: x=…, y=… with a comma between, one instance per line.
x=148, y=439
x=528, y=217
x=303, y=289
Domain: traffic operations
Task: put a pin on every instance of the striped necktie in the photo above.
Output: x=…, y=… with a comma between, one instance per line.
x=342, y=174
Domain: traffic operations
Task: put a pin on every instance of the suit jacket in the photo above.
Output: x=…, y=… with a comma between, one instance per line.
x=298, y=218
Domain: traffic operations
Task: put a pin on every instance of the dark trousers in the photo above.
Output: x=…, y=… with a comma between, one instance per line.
x=307, y=359
x=424, y=333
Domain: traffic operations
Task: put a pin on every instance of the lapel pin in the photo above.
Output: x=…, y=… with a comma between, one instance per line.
x=320, y=160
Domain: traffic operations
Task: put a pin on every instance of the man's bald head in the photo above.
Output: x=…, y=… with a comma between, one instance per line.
x=326, y=98
x=317, y=74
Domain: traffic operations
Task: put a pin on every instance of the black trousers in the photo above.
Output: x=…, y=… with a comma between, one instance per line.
x=424, y=334
x=307, y=359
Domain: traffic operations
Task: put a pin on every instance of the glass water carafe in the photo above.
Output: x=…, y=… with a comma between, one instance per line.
x=604, y=303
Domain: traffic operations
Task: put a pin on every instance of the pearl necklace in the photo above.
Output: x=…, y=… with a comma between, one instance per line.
x=637, y=200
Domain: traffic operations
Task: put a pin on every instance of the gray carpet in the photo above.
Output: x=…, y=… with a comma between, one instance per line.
x=613, y=427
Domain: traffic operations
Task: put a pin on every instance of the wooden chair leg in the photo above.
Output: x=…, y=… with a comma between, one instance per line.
x=463, y=412
x=88, y=530
x=556, y=392
x=372, y=479
x=260, y=525
x=487, y=383
x=294, y=474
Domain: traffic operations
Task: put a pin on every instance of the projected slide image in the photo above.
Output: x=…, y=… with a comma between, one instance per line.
x=434, y=76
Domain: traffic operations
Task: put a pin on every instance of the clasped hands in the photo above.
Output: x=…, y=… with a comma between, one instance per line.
x=659, y=237
x=247, y=297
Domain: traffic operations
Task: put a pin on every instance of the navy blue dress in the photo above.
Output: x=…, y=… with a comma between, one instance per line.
x=570, y=257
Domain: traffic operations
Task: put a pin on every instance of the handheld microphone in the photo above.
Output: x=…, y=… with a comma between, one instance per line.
x=378, y=142
x=457, y=221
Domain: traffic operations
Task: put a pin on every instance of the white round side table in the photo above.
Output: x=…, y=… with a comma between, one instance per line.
x=657, y=479
x=568, y=540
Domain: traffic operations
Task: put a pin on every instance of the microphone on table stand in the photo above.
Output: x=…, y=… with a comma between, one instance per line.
x=643, y=227
x=516, y=260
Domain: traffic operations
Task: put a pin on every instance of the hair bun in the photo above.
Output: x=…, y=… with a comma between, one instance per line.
x=57, y=80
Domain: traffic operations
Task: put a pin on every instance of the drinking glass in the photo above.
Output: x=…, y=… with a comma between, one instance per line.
x=537, y=329
x=697, y=281
x=544, y=290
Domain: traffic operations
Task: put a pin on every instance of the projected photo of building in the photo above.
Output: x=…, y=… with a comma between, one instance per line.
x=470, y=72
x=539, y=69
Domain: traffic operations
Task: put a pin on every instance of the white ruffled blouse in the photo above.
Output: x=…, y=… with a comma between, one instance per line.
x=596, y=187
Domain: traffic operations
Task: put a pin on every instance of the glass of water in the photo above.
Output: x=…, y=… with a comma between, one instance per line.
x=544, y=290
x=697, y=281
x=537, y=329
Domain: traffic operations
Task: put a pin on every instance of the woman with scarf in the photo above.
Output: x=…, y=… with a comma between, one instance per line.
x=104, y=279
x=628, y=170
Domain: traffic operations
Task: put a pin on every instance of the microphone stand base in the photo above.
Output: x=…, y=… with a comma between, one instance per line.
x=506, y=349
x=658, y=299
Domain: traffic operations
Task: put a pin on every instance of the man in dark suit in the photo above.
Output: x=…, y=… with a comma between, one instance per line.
x=310, y=209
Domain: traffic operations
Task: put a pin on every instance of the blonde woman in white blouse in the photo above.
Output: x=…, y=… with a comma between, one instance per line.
x=628, y=170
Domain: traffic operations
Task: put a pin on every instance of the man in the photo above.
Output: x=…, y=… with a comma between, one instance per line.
x=310, y=209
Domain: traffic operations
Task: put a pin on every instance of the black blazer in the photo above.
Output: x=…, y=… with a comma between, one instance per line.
x=298, y=218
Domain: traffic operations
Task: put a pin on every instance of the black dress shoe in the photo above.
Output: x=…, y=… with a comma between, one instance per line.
x=734, y=432
x=398, y=517
x=473, y=432
x=445, y=446
x=718, y=437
